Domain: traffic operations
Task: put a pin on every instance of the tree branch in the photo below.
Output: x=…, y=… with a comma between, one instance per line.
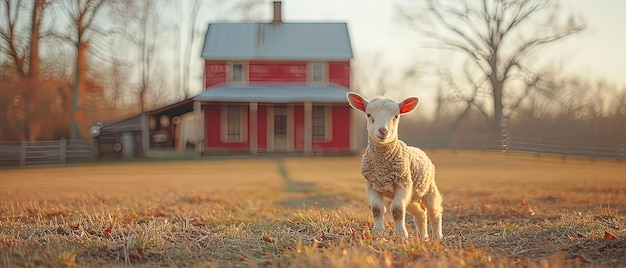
x=452, y=28
x=520, y=16
x=528, y=46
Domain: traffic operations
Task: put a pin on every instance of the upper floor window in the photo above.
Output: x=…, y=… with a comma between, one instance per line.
x=318, y=72
x=237, y=72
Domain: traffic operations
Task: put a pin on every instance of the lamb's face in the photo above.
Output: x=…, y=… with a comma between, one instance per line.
x=382, y=120
x=382, y=115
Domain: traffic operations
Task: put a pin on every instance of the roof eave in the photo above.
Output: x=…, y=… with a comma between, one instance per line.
x=239, y=58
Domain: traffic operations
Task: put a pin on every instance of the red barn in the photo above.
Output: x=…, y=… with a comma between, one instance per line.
x=276, y=87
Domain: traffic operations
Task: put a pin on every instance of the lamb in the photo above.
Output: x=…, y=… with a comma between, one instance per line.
x=394, y=170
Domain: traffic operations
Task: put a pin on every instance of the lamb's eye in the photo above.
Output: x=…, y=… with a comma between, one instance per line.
x=369, y=115
x=396, y=117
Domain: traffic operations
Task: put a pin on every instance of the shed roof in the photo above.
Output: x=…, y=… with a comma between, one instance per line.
x=277, y=41
x=125, y=125
x=133, y=123
x=275, y=93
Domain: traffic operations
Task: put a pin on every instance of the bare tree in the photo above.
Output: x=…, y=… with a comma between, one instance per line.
x=455, y=94
x=144, y=35
x=249, y=10
x=117, y=82
x=81, y=33
x=498, y=37
x=20, y=50
x=188, y=38
x=12, y=45
x=146, y=47
x=370, y=76
x=193, y=36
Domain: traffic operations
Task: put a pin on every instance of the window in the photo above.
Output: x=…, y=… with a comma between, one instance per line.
x=233, y=123
x=318, y=72
x=237, y=72
x=233, y=115
x=319, y=123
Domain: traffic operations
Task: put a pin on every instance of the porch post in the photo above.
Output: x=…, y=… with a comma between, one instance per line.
x=354, y=143
x=254, y=128
x=308, y=128
x=199, y=120
x=145, y=134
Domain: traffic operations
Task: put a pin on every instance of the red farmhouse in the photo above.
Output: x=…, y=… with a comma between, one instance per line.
x=276, y=87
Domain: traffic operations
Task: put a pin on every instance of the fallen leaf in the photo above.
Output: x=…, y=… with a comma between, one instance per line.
x=107, y=231
x=269, y=239
x=140, y=250
x=609, y=236
x=416, y=255
x=63, y=231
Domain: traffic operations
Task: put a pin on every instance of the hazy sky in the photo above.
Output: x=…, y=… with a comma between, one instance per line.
x=600, y=50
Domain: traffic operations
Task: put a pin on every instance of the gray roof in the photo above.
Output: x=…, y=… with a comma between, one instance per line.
x=275, y=93
x=280, y=41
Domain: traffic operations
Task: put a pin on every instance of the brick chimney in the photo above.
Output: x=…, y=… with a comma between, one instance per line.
x=278, y=16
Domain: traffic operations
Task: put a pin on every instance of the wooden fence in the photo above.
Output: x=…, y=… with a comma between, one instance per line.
x=588, y=150
x=40, y=153
x=554, y=147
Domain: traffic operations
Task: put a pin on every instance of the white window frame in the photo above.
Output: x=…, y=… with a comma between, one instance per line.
x=243, y=124
x=324, y=74
x=244, y=70
x=327, y=123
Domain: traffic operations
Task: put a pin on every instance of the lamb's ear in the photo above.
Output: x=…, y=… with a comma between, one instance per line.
x=408, y=105
x=357, y=101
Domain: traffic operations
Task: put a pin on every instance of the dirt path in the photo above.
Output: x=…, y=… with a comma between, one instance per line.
x=303, y=193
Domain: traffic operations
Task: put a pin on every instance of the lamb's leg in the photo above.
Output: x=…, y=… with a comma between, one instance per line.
x=378, y=208
x=433, y=201
x=398, y=210
x=419, y=217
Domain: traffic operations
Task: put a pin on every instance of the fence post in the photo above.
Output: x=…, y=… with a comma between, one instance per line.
x=23, y=153
x=62, y=151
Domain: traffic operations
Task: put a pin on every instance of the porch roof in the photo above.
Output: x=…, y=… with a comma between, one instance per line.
x=275, y=93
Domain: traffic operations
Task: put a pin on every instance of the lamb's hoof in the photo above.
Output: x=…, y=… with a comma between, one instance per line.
x=378, y=230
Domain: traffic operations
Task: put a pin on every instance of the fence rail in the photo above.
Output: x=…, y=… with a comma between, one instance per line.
x=563, y=148
x=589, y=150
x=38, y=153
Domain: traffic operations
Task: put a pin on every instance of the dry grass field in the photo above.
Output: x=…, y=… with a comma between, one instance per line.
x=501, y=210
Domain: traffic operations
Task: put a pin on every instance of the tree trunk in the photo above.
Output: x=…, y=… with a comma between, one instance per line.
x=33, y=68
x=74, y=125
x=496, y=87
x=497, y=106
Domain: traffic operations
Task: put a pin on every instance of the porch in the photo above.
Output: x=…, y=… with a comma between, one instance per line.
x=300, y=119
